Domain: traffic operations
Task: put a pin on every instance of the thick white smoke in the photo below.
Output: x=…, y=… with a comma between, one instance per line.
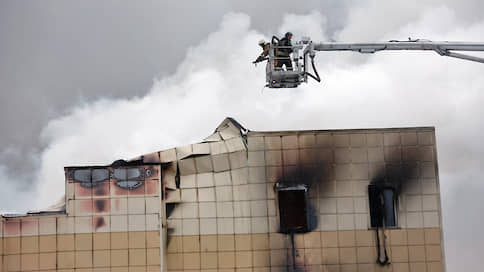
x=217, y=79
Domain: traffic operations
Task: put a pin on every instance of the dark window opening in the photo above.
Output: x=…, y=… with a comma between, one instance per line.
x=129, y=178
x=382, y=206
x=293, y=210
x=89, y=178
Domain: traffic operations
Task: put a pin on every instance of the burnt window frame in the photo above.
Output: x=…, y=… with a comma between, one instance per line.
x=372, y=208
x=289, y=228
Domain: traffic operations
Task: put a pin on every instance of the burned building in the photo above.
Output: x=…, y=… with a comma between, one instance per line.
x=240, y=200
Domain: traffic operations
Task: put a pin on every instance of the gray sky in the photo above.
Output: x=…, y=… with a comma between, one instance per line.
x=93, y=81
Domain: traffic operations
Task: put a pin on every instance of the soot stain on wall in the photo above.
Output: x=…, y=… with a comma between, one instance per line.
x=308, y=172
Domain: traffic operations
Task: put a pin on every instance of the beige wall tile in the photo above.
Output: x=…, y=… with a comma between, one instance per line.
x=433, y=253
x=415, y=236
x=313, y=256
x=83, y=241
x=119, y=223
x=435, y=267
x=341, y=140
x=347, y=255
x=222, y=179
x=312, y=240
x=226, y=259
x=398, y=237
x=329, y=238
x=119, y=257
x=137, y=222
x=153, y=256
x=206, y=194
x=358, y=139
x=119, y=240
x=208, y=226
x=191, y=261
x=137, y=239
x=279, y=241
x=207, y=210
x=47, y=226
x=155, y=268
x=367, y=268
x=29, y=262
x=83, y=259
x=226, y=242
x=137, y=256
x=12, y=245
x=243, y=259
x=242, y=225
x=153, y=239
x=418, y=267
x=65, y=259
x=29, y=226
x=190, y=226
x=432, y=236
x=152, y=222
x=119, y=206
x=191, y=243
x=431, y=219
x=174, y=244
x=260, y=241
x=349, y=267
x=30, y=244
x=13, y=262
x=225, y=225
x=260, y=225
x=365, y=238
x=208, y=243
x=137, y=269
x=136, y=205
x=65, y=242
x=347, y=238
x=261, y=258
x=47, y=243
x=209, y=260
x=101, y=258
x=119, y=269
x=47, y=261
x=243, y=242
x=366, y=254
x=416, y=253
x=174, y=261
x=330, y=255
x=101, y=241
x=83, y=224
x=399, y=254
x=272, y=142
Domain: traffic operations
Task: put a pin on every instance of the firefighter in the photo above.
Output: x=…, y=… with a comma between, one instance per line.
x=283, y=55
x=265, y=51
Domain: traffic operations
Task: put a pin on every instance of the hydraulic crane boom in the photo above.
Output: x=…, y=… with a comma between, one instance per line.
x=442, y=48
x=277, y=77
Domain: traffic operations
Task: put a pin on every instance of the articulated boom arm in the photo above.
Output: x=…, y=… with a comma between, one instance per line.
x=442, y=48
x=304, y=51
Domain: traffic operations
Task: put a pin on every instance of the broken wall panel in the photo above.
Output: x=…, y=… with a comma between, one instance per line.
x=337, y=166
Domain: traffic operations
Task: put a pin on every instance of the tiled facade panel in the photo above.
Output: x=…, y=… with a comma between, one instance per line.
x=228, y=195
x=138, y=251
x=106, y=228
x=410, y=250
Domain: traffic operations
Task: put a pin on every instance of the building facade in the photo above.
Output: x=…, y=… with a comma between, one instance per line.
x=325, y=200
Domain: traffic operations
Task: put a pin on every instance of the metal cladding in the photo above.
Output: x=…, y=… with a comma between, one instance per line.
x=242, y=200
